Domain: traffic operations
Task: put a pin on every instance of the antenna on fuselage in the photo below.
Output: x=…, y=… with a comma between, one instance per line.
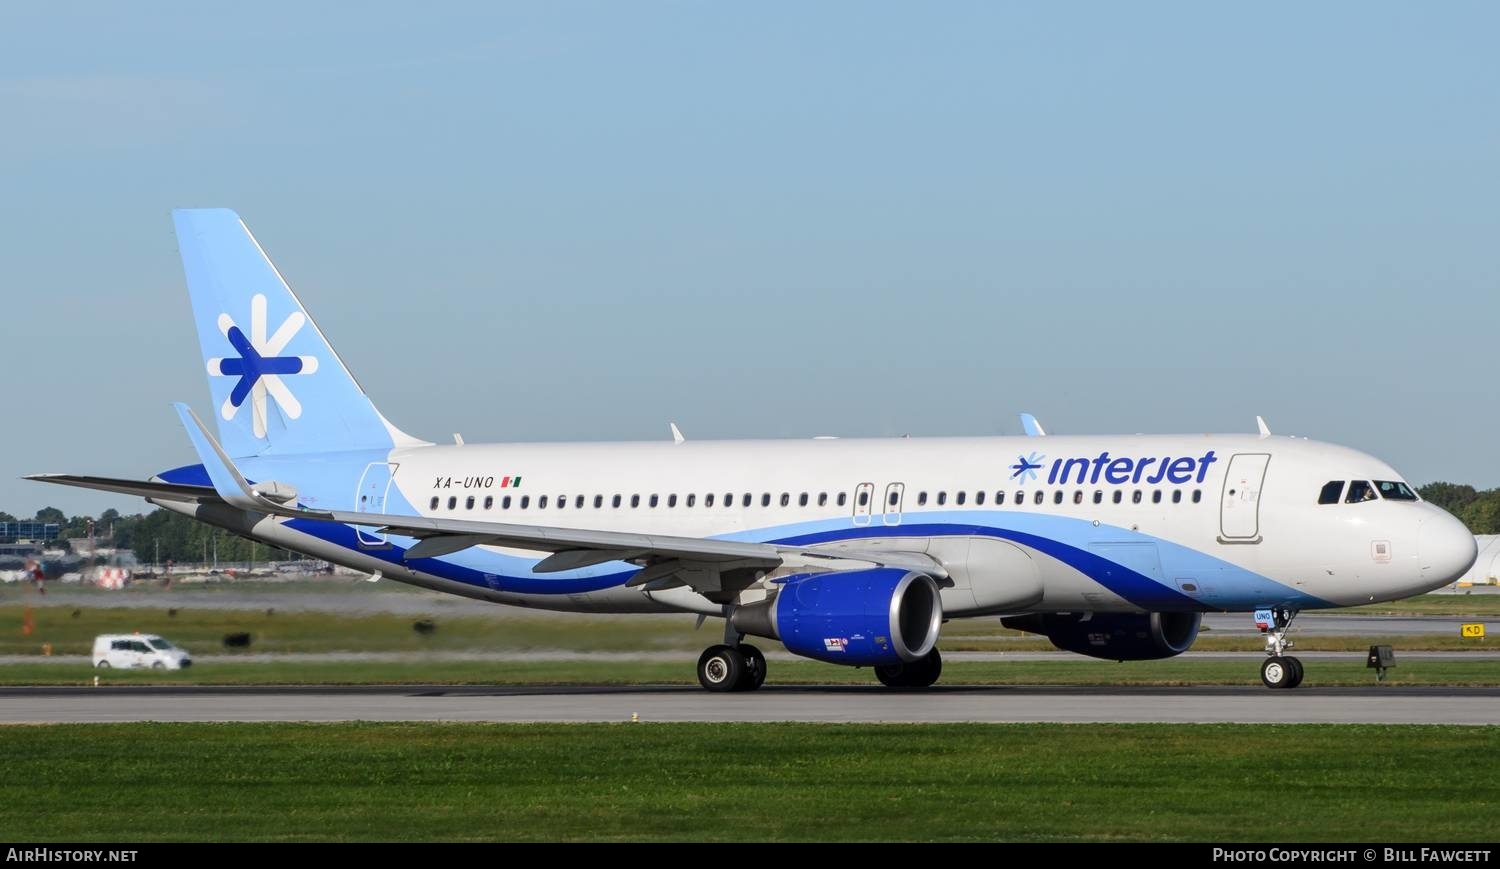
x=677, y=437
x=1265, y=430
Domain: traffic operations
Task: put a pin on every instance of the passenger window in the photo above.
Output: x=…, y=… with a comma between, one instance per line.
x=1077, y=496
x=615, y=502
x=433, y=505
x=562, y=501
x=1136, y=498
x=1176, y=496
x=1020, y=497
x=1156, y=496
x=1197, y=495
x=765, y=499
x=469, y=503
x=786, y=499
x=541, y=503
x=822, y=499
x=1331, y=492
x=119, y=645
x=1098, y=496
x=1395, y=490
x=843, y=498
x=1359, y=490
x=1119, y=496
x=578, y=503
x=942, y=498
x=654, y=500
x=453, y=502
x=708, y=500
x=671, y=500
x=893, y=498
x=864, y=498
x=979, y=499
x=598, y=501
x=489, y=502
x=959, y=498
x=505, y=503
x=692, y=499
x=1039, y=496
x=729, y=500
x=635, y=501
x=921, y=499
x=1057, y=496
x=802, y=500
x=746, y=501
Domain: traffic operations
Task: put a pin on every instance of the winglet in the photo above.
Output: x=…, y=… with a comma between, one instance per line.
x=1032, y=427
x=227, y=480
x=1265, y=430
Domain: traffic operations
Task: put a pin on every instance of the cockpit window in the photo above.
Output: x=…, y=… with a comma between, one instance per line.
x=1395, y=490
x=1331, y=492
x=1359, y=490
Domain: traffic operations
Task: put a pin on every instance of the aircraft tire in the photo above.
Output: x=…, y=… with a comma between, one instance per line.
x=720, y=669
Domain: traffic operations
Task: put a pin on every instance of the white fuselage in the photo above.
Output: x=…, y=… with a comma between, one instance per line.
x=1048, y=524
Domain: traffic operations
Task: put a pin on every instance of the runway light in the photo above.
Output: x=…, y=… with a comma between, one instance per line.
x=635, y=716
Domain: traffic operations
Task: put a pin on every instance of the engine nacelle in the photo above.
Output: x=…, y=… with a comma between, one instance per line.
x=1114, y=636
x=862, y=618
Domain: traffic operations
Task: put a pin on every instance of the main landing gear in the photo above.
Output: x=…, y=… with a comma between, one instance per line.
x=921, y=673
x=1280, y=670
x=740, y=667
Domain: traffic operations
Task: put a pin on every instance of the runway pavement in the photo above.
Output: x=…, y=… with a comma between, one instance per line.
x=1368, y=705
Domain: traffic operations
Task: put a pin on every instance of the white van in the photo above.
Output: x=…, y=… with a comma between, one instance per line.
x=138, y=650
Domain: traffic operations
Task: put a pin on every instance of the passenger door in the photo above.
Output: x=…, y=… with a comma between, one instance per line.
x=374, y=485
x=1239, y=511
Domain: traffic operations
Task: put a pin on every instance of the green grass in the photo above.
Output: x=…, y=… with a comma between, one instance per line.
x=464, y=782
x=71, y=630
x=1070, y=671
x=1434, y=605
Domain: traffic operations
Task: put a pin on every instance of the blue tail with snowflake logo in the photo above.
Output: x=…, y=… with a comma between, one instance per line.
x=278, y=387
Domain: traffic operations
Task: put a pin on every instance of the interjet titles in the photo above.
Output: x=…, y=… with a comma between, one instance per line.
x=1120, y=471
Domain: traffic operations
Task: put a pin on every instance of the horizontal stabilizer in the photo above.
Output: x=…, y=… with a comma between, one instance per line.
x=153, y=489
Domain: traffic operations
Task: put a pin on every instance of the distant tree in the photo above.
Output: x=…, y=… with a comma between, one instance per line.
x=110, y=515
x=51, y=514
x=1450, y=496
x=6, y=517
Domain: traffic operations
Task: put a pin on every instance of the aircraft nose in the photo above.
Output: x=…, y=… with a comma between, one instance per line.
x=1445, y=548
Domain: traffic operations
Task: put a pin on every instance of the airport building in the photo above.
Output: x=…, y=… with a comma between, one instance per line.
x=26, y=529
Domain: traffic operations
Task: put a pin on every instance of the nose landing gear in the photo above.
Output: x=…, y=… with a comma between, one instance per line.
x=1279, y=670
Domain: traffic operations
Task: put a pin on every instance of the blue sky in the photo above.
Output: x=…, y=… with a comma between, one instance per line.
x=578, y=221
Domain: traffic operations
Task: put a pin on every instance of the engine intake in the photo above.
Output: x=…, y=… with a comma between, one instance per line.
x=1114, y=636
x=861, y=618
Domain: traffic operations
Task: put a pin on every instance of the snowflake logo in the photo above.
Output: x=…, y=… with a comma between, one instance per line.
x=260, y=366
x=1026, y=467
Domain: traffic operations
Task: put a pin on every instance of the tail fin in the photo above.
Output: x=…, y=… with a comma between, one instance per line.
x=278, y=386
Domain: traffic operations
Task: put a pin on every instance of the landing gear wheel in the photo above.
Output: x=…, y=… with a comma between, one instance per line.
x=1277, y=672
x=754, y=674
x=1296, y=666
x=920, y=673
x=927, y=670
x=720, y=668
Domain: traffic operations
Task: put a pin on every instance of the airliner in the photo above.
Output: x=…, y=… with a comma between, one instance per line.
x=849, y=551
